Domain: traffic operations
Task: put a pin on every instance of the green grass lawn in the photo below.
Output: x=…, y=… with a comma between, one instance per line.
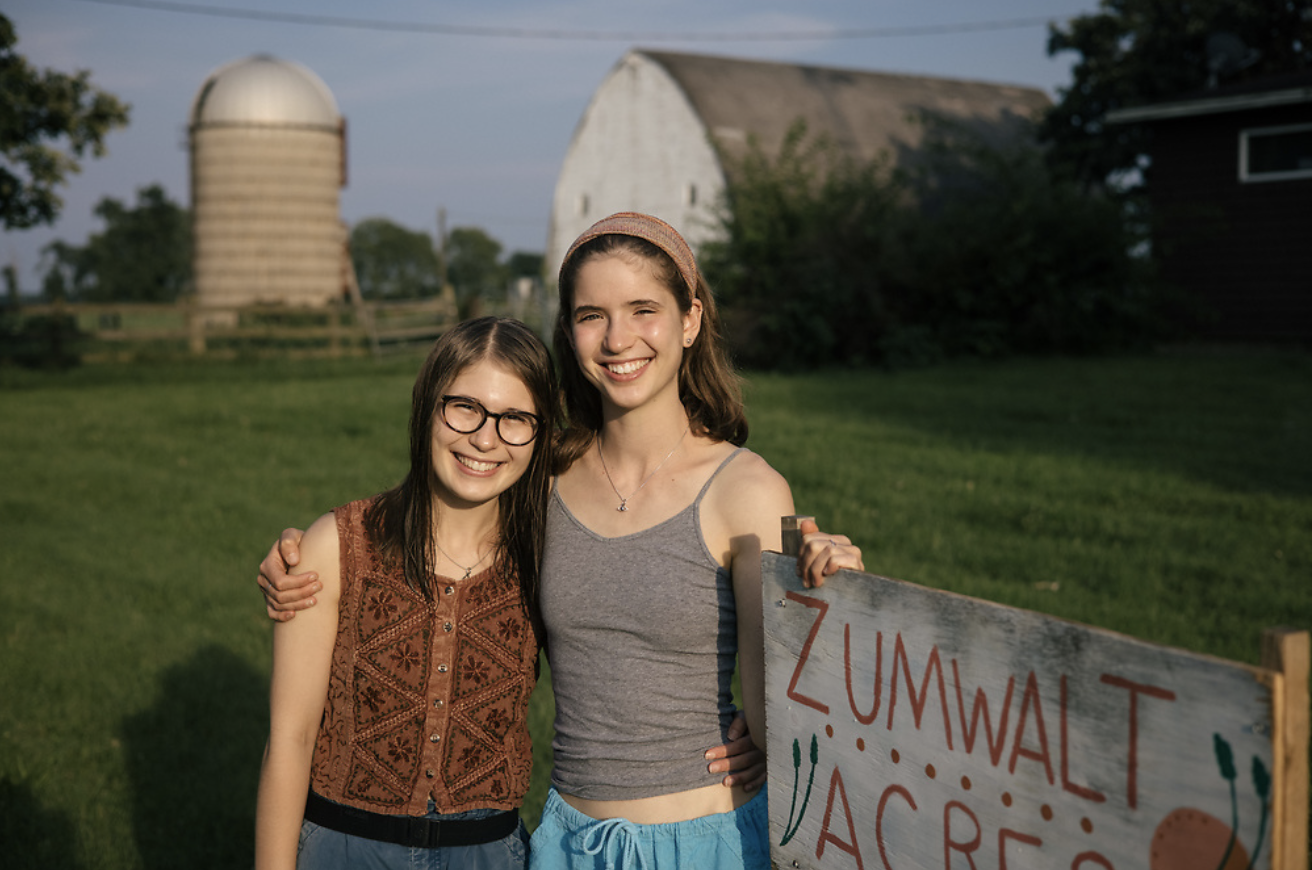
x=1169, y=497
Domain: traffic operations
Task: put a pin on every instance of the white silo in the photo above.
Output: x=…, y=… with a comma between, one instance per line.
x=268, y=161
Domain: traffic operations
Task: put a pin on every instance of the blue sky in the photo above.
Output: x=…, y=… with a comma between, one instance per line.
x=477, y=125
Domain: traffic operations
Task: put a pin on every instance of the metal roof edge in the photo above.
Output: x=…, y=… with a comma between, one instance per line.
x=1216, y=105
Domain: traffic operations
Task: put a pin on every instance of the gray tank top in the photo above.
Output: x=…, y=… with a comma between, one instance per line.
x=642, y=640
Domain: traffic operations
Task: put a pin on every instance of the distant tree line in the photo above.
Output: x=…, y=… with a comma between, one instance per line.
x=394, y=262
x=143, y=254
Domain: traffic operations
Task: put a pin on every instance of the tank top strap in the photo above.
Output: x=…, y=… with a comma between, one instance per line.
x=697, y=501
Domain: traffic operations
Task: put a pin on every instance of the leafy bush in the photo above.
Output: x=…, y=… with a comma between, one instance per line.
x=974, y=251
x=797, y=268
x=40, y=342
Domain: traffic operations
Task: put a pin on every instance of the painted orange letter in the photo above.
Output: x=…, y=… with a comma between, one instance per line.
x=797, y=696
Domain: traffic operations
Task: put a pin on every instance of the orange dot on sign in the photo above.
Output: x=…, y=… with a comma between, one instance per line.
x=861, y=744
x=1006, y=798
x=965, y=783
x=1086, y=825
x=1189, y=838
x=893, y=755
x=829, y=730
x=930, y=771
x=1046, y=812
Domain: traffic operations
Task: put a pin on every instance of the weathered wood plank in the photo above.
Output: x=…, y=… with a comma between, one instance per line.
x=1287, y=652
x=910, y=727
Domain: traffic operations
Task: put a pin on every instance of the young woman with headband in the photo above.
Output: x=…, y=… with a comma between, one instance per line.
x=651, y=584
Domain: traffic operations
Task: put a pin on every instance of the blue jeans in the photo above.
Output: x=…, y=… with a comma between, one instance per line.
x=566, y=839
x=325, y=849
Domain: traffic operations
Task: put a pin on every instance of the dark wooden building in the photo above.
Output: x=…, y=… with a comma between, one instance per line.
x=1230, y=186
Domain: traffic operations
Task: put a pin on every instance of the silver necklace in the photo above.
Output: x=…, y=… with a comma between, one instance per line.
x=470, y=569
x=624, y=501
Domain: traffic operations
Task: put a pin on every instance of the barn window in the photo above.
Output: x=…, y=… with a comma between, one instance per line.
x=583, y=205
x=1275, y=153
x=690, y=194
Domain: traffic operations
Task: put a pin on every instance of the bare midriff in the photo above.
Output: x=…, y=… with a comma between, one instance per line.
x=661, y=809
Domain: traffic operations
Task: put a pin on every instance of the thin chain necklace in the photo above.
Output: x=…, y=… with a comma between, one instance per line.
x=624, y=501
x=470, y=569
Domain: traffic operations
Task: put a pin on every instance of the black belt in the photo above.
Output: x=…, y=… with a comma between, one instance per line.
x=409, y=830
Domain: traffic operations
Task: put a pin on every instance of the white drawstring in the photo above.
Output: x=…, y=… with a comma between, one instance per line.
x=610, y=830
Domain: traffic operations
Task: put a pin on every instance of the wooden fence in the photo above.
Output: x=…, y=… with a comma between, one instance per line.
x=914, y=728
x=125, y=331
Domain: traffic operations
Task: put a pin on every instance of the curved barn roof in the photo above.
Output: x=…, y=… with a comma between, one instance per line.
x=265, y=90
x=862, y=112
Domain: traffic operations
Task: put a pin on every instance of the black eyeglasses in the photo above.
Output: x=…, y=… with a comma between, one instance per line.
x=466, y=415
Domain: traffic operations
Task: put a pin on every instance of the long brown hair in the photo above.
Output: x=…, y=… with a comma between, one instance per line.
x=400, y=522
x=708, y=386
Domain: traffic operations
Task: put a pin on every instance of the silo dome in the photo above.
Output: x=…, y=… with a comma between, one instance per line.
x=267, y=165
x=265, y=90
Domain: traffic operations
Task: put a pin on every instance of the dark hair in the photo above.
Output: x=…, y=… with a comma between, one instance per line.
x=400, y=522
x=708, y=386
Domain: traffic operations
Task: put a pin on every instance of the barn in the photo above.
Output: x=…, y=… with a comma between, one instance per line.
x=656, y=133
x=1230, y=189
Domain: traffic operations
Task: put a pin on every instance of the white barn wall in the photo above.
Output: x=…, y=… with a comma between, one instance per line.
x=640, y=146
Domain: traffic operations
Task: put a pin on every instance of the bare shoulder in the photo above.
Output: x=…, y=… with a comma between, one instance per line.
x=749, y=496
x=321, y=552
x=750, y=476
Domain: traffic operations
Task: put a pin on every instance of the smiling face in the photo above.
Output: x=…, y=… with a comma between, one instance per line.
x=627, y=331
x=471, y=469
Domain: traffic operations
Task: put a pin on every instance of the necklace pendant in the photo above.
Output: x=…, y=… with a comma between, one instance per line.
x=468, y=571
x=624, y=505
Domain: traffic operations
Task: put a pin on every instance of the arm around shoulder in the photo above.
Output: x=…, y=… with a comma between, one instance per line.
x=286, y=591
x=302, y=662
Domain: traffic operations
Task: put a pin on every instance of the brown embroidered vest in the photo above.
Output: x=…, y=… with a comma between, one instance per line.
x=425, y=700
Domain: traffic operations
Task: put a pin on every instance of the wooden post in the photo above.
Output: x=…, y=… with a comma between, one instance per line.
x=195, y=328
x=335, y=314
x=364, y=315
x=792, y=534
x=1286, y=651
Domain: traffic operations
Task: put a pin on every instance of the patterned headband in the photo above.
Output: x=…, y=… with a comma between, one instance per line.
x=648, y=228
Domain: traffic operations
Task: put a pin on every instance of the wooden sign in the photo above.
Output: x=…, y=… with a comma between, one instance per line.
x=909, y=727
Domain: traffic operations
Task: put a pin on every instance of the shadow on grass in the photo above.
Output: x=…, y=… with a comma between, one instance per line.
x=33, y=835
x=1242, y=422
x=194, y=760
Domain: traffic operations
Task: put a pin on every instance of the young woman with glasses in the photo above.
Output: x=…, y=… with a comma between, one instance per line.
x=398, y=712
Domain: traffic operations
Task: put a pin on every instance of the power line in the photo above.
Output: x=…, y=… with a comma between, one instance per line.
x=575, y=35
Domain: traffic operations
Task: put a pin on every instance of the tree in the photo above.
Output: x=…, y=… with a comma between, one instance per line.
x=392, y=262
x=975, y=250
x=48, y=121
x=1003, y=256
x=143, y=254
x=525, y=264
x=472, y=266
x=803, y=231
x=1135, y=52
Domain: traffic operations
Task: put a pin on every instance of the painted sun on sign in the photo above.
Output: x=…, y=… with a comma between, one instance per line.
x=913, y=728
